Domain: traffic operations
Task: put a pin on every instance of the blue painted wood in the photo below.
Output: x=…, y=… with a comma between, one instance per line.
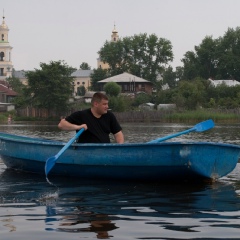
x=136, y=161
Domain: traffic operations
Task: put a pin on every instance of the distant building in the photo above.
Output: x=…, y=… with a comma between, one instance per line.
x=81, y=78
x=21, y=76
x=146, y=106
x=229, y=83
x=88, y=96
x=166, y=106
x=5, y=52
x=129, y=83
x=6, y=93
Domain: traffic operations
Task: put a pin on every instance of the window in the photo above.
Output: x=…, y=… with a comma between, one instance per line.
x=2, y=37
x=1, y=56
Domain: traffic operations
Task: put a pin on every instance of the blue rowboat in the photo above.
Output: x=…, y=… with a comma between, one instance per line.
x=171, y=161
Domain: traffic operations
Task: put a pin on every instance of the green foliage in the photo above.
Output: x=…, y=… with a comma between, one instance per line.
x=216, y=58
x=112, y=89
x=169, y=77
x=15, y=84
x=81, y=91
x=117, y=104
x=164, y=97
x=192, y=93
x=19, y=88
x=80, y=106
x=97, y=75
x=85, y=66
x=50, y=87
x=141, y=98
x=141, y=55
x=201, y=115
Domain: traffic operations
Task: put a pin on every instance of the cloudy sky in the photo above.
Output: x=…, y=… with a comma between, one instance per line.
x=75, y=30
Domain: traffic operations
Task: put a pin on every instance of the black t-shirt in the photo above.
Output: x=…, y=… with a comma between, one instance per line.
x=98, y=128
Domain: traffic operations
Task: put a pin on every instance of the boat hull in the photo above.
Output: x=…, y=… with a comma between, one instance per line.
x=136, y=161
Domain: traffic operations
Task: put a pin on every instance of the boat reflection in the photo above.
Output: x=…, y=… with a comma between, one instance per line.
x=101, y=208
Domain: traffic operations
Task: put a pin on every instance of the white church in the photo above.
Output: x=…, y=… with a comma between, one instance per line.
x=6, y=65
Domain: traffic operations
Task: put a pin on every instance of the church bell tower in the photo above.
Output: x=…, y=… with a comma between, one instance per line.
x=6, y=66
x=114, y=38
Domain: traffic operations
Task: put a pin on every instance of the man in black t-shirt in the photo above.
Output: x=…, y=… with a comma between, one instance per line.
x=97, y=121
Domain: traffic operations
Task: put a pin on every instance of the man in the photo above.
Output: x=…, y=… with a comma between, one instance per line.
x=97, y=121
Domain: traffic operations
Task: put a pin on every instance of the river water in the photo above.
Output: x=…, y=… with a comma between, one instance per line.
x=30, y=208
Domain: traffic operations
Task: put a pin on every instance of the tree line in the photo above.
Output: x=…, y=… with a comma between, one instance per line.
x=148, y=57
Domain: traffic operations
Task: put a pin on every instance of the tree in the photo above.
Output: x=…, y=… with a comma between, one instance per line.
x=141, y=98
x=112, y=89
x=141, y=55
x=19, y=88
x=189, y=95
x=169, y=77
x=51, y=86
x=15, y=84
x=216, y=58
x=81, y=91
x=229, y=55
x=190, y=66
x=85, y=66
x=97, y=75
x=207, y=58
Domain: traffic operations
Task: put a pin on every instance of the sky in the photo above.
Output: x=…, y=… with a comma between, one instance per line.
x=41, y=31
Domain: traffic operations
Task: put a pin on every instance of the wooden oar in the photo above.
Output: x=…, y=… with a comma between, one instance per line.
x=51, y=161
x=200, y=127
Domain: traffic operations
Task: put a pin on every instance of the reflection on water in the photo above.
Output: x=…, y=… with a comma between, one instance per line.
x=99, y=209
x=84, y=209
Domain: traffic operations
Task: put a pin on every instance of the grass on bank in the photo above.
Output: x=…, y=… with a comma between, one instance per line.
x=200, y=115
x=166, y=116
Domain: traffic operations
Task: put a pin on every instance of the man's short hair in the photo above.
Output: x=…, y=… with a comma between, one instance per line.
x=98, y=97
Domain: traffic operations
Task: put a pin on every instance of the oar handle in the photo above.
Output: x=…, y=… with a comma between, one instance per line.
x=171, y=136
x=200, y=127
x=69, y=143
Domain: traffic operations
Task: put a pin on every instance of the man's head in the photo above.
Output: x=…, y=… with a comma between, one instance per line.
x=99, y=104
x=98, y=97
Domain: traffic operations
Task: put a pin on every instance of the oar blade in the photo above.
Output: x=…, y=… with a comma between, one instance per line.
x=204, y=126
x=49, y=164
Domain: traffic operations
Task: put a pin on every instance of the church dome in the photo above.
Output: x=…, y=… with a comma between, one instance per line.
x=114, y=30
x=3, y=25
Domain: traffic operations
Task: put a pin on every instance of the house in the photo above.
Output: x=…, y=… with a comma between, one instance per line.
x=81, y=78
x=20, y=74
x=6, y=93
x=129, y=83
x=6, y=97
x=228, y=83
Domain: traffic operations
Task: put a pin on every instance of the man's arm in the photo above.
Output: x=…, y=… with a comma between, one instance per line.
x=119, y=138
x=65, y=125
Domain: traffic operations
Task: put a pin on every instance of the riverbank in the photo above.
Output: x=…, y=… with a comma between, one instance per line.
x=179, y=116
x=167, y=116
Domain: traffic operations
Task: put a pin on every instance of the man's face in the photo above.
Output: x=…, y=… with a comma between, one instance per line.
x=101, y=107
